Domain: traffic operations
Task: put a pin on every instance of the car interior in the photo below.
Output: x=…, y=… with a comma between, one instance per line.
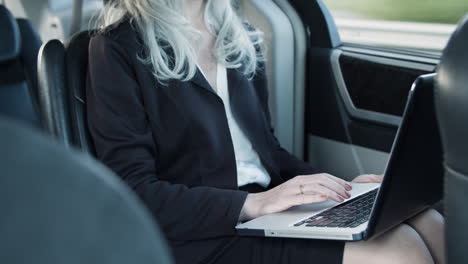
x=334, y=104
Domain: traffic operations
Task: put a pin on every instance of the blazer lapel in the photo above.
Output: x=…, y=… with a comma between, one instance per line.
x=247, y=111
x=244, y=105
x=200, y=81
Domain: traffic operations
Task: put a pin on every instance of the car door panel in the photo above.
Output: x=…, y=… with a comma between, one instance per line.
x=355, y=97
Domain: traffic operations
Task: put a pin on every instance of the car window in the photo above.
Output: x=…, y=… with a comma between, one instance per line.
x=59, y=5
x=416, y=25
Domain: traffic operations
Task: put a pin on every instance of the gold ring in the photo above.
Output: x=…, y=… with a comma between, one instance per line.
x=301, y=188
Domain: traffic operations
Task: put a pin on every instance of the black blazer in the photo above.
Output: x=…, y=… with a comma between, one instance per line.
x=171, y=143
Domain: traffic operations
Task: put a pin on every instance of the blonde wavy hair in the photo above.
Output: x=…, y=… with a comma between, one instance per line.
x=168, y=36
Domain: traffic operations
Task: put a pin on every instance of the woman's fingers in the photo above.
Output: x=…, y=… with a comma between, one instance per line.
x=332, y=195
x=335, y=186
x=309, y=198
x=368, y=178
x=346, y=184
x=315, y=177
x=325, y=184
x=329, y=188
x=377, y=178
x=297, y=191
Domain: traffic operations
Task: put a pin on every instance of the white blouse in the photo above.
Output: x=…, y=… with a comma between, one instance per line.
x=249, y=167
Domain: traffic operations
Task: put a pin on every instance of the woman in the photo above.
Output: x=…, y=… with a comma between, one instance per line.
x=177, y=106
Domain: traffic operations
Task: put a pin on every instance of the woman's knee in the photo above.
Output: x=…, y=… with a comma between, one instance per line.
x=399, y=245
x=427, y=219
x=406, y=242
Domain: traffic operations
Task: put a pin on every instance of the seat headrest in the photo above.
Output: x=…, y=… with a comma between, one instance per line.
x=452, y=95
x=61, y=206
x=10, y=45
x=454, y=59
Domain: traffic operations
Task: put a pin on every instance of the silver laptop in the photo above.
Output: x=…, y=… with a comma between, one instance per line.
x=412, y=183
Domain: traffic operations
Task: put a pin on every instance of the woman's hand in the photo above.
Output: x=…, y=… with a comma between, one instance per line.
x=368, y=178
x=297, y=191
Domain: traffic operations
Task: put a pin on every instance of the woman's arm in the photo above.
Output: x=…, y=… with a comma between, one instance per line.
x=124, y=142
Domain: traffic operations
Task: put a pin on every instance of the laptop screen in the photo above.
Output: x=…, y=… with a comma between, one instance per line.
x=414, y=176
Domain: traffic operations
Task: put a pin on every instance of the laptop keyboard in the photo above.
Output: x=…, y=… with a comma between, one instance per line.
x=349, y=214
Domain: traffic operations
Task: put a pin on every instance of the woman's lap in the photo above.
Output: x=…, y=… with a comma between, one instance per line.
x=280, y=250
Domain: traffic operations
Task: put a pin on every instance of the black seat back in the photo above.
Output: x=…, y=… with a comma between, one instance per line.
x=77, y=67
x=452, y=109
x=62, y=92
x=31, y=43
x=53, y=93
x=90, y=216
x=19, y=46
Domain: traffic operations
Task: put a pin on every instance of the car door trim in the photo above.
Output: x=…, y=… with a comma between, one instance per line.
x=395, y=55
x=349, y=105
x=392, y=62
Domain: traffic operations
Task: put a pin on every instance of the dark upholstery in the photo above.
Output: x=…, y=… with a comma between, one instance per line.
x=452, y=107
x=59, y=206
x=53, y=92
x=19, y=46
x=31, y=43
x=77, y=66
x=10, y=46
x=62, y=78
x=377, y=87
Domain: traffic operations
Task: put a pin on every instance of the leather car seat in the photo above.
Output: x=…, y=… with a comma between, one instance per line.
x=89, y=216
x=77, y=67
x=53, y=92
x=62, y=79
x=451, y=95
x=19, y=46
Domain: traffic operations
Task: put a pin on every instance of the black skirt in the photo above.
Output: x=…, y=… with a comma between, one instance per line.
x=260, y=250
